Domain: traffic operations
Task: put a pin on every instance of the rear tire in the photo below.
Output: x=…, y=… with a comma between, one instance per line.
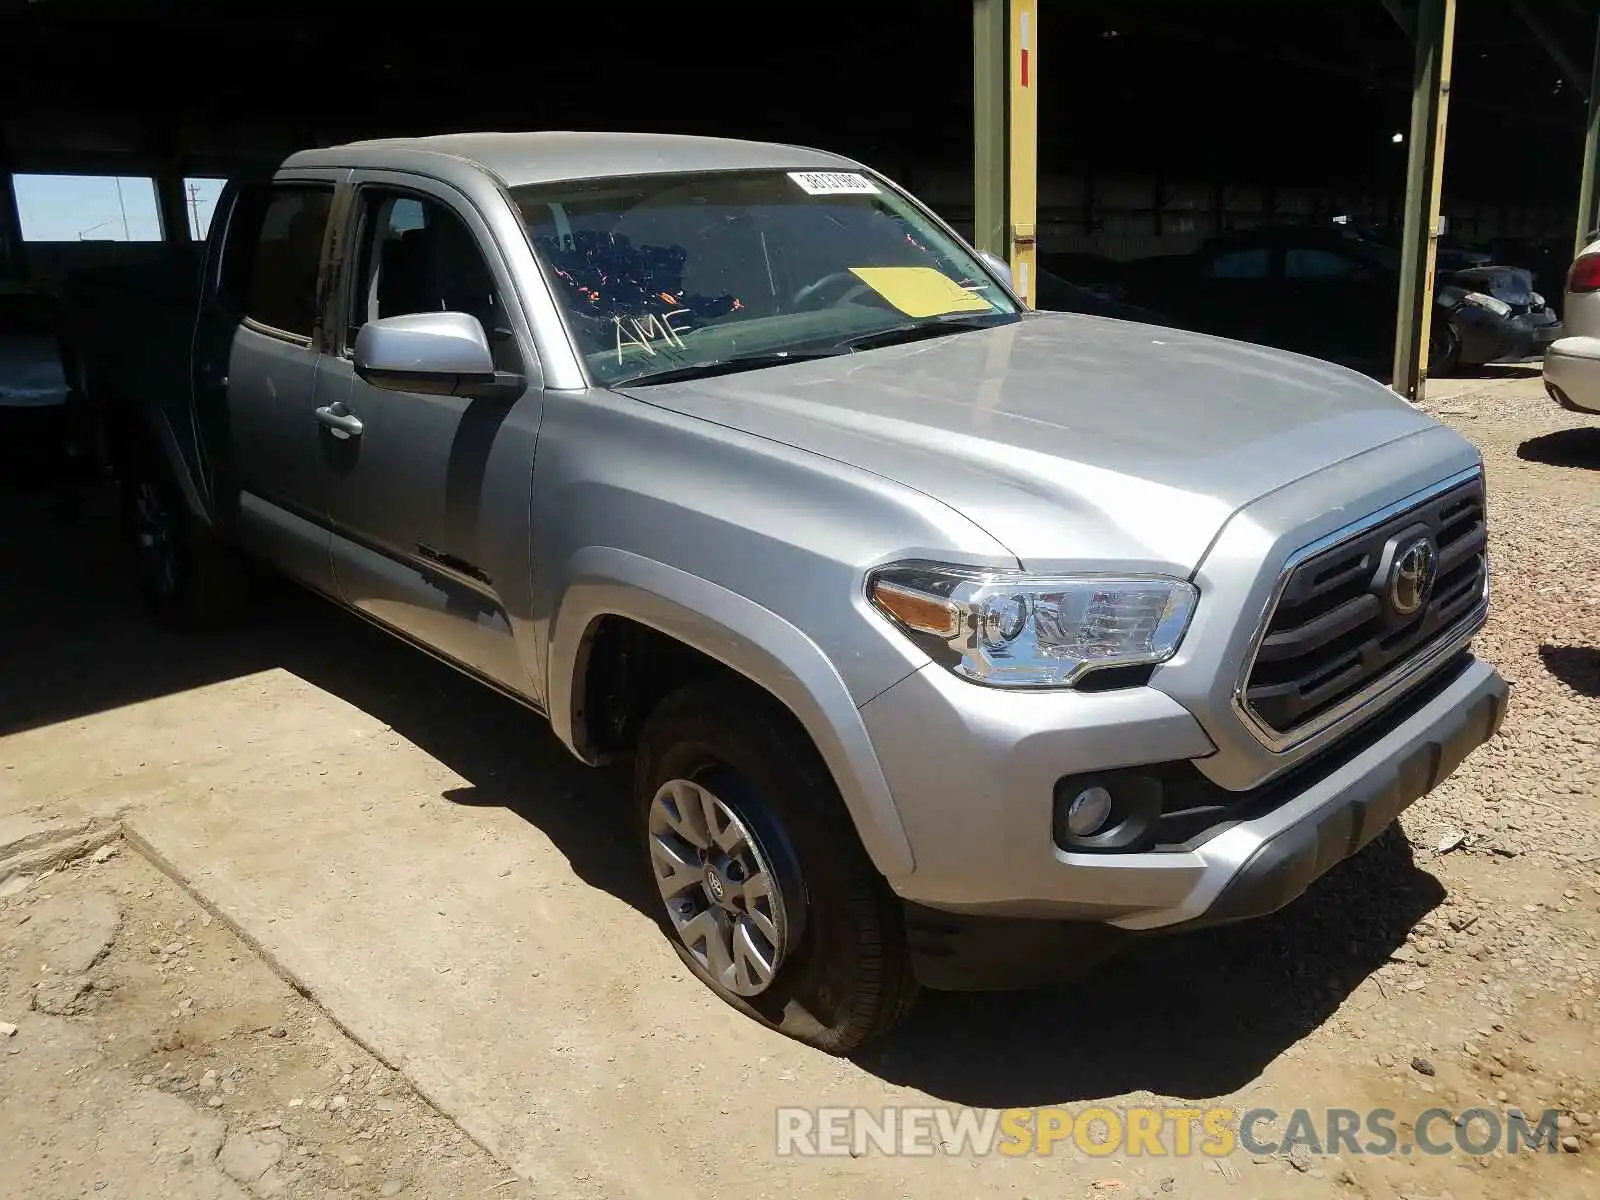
x=817, y=948
x=187, y=577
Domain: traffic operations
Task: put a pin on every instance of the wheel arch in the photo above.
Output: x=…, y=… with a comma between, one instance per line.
x=746, y=639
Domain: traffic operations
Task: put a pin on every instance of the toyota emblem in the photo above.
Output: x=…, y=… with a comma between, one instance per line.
x=1411, y=577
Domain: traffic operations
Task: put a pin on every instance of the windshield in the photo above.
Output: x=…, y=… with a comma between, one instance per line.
x=664, y=274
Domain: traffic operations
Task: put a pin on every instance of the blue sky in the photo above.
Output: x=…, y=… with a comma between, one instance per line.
x=71, y=208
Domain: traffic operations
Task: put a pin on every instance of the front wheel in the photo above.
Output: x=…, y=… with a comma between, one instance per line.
x=766, y=892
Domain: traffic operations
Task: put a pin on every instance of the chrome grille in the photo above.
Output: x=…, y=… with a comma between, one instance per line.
x=1335, y=629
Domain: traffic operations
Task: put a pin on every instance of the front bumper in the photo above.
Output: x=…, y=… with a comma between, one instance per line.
x=1572, y=373
x=994, y=898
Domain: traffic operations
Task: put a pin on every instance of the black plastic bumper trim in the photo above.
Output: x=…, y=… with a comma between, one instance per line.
x=1282, y=868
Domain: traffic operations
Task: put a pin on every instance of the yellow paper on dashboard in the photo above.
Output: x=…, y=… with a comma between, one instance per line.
x=920, y=291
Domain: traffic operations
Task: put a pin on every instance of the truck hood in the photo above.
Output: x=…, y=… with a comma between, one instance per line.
x=1069, y=439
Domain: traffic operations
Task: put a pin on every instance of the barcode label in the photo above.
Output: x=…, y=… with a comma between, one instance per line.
x=833, y=183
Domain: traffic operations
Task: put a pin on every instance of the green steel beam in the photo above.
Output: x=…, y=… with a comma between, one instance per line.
x=1435, y=33
x=1591, y=151
x=990, y=162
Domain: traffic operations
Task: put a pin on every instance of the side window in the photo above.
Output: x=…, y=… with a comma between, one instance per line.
x=417, y=256
x=1311, y=263
x=1240, y=264
x=274, y=247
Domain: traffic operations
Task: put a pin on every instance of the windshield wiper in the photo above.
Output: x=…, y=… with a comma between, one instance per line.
x=727, y=366
x=916, y=331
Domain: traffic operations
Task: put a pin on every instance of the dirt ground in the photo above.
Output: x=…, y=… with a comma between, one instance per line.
x=396, y=944
x=156, y=1055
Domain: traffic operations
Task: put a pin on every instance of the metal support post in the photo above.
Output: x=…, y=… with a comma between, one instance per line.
x=13, y=259
x=1435, y=36
x=1591, y=151
x=1005, y=118
x=989, y=126
x=1023, y=151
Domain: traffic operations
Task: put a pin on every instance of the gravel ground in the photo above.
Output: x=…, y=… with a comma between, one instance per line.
x=1532, y=790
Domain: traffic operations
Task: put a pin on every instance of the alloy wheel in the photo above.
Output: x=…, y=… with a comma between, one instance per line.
x=722, y=895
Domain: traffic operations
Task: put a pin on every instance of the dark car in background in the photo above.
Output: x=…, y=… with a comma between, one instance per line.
x=1082, y=283
x=1330, y=293
x=33, y=389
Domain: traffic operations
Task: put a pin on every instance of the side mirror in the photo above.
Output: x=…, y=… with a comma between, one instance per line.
x=437, y=353
x=998, y=265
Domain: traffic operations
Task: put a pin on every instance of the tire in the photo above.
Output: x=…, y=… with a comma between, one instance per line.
x=842, y=977
x=186, y=576
x=1444, y=348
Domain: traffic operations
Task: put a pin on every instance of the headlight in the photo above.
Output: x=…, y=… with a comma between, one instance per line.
x=1483, y=300
x=1535, y=300
x=1010, y=629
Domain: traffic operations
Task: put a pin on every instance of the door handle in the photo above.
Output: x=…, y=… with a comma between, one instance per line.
x=343, y=424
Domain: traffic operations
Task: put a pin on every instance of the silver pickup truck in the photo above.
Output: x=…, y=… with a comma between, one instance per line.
x=953, y=644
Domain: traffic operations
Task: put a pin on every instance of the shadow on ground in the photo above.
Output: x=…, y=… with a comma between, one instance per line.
x=1567, y=448
x=1198, y=1015
x=1576, y=666
x=1502, y=370
x=1194, y=1015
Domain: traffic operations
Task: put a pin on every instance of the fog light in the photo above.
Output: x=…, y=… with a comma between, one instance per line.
x=1088, y=811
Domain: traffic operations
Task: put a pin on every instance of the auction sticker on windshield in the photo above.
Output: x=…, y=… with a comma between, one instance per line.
x=833, y=183
x=920, y=291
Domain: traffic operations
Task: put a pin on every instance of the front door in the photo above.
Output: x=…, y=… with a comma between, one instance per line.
x=256, y=369
x=430, y=494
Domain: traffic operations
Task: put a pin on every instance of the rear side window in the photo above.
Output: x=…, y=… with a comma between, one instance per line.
x=1311, y=263
x=270, y=260
x=1240, y=264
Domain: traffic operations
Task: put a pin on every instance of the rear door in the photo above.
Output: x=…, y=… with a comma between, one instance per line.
x=256, y=354
x=430, y=500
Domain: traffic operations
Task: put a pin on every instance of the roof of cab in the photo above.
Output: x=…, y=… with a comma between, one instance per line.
x=524, y=158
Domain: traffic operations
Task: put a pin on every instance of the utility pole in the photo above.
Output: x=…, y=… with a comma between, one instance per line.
x=1435, y=25
x=194, y=209
x=126, y=235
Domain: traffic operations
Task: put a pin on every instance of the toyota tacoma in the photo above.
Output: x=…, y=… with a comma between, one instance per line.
x=952, y=644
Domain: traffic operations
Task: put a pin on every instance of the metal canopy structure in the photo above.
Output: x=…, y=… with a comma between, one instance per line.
x=1276, y=95
x=1005, y=148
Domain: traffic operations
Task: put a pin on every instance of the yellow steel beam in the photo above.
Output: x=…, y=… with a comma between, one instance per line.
x=1005, y=110
x=1023, y=146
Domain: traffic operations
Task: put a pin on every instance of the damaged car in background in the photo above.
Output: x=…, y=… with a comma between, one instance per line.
x=1330, y=293
x=1493, y=315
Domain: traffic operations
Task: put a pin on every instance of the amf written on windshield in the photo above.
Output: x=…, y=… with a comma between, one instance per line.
x=917, y=292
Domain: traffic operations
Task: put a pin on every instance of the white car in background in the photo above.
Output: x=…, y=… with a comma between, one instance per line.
x=1572, y=364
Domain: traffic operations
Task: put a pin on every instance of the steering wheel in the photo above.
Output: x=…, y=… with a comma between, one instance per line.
x=838, y=287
